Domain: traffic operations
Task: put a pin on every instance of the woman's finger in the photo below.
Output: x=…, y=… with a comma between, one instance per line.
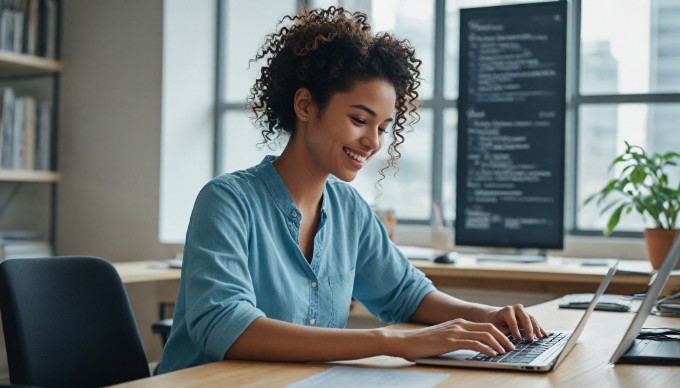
x=525, y=321
x=537, y=328
x=508, y=315
x=496, y=334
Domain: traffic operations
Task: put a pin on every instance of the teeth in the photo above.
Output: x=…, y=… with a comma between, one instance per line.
x=358, y=158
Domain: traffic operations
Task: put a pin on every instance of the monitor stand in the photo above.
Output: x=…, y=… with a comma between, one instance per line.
x=517, y=257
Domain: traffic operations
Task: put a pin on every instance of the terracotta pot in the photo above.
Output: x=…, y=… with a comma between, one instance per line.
x=659, y=242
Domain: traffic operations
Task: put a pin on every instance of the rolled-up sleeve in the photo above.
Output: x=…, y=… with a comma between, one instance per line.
x=386, y=282
x=220, y=301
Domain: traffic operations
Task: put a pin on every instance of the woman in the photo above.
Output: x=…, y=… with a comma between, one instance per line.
x=275, y=253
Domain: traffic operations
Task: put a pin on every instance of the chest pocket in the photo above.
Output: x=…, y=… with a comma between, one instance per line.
x=341, y=287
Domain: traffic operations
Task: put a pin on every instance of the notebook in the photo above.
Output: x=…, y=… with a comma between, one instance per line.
x=632, y=350
x=541, y=355
x=608, y=302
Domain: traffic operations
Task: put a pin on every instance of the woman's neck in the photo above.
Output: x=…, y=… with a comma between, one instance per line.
x=299, y=172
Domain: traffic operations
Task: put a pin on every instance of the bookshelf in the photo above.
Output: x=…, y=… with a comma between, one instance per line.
x=24, y=65
x=16, y=64
x=29, y=176
x=29, y=95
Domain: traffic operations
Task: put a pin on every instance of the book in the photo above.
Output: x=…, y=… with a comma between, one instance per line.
x=29, y=133
x=7, y=127
x=31, y=31
x=21, y=244
x=669, y=306
x=43, y=147
x=17, y=147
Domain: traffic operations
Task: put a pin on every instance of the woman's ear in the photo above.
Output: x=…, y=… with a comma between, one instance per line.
x=303, y=104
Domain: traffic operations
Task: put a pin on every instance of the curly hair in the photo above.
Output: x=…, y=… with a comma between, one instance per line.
x=329, y=51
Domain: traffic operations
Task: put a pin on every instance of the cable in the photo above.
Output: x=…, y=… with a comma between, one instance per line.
x=659, y=334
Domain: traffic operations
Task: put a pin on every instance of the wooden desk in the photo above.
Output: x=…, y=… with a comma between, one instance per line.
x=143, y=271
x=557, y=275
x=586, y=366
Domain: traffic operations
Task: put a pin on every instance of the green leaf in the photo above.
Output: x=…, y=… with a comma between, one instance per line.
x=642, y=184
x=670, y=155
x=614, y=220
x=638, y=175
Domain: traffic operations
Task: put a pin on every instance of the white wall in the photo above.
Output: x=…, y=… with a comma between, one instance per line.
x=110, y=130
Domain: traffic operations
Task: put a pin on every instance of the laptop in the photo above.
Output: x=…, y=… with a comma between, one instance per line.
x=632, y=350
x=542, y=355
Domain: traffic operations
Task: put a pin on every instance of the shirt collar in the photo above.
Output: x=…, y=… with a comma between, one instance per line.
x=278, y=189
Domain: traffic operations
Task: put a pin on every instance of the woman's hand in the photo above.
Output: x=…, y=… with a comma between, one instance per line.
x=447, y=337
x=510, y=319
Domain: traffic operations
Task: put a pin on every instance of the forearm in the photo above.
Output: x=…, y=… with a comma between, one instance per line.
x=272, y=340
x=438, y=307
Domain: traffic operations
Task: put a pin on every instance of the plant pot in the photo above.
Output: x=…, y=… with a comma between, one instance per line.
x=659, y=242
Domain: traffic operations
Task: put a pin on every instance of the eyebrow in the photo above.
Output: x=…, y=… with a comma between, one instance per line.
x=370, y=111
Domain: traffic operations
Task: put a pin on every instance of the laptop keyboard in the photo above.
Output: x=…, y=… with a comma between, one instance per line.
x=525, y=351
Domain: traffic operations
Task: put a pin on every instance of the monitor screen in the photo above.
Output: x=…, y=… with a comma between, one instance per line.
x=511, y=126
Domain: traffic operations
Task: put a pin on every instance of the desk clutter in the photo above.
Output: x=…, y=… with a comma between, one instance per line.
x=668, y=306
x=608, y=302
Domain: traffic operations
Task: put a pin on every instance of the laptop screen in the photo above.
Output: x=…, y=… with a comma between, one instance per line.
x=589, y=310
x=650, y=299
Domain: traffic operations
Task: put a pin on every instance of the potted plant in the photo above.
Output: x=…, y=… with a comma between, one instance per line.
x=643, y=186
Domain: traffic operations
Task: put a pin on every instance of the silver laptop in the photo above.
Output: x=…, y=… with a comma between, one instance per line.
x=650, y=351
x=539, y=356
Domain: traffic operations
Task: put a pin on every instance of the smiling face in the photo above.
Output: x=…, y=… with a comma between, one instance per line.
x=350, y=129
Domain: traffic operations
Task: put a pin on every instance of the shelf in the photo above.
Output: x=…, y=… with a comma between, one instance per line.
x=29, y=176
x=13, y=64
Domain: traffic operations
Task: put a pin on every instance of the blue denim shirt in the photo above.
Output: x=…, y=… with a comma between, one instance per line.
x=242, y=261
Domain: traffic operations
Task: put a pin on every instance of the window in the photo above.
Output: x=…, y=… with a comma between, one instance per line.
x=242, y=35
x=628, y=88
x=624, y=81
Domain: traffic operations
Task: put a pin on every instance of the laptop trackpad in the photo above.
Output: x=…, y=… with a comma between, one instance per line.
x=651, y=348
x=459, y=355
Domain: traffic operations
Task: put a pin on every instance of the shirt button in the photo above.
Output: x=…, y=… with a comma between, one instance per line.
x=293, y=214
x=312, y=321
x=313, y=284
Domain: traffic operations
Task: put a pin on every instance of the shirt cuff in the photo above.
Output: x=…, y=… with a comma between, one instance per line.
x=223, y=336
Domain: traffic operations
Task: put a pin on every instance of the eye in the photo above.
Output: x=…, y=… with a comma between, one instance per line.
x=358, y=120
x=382, y=130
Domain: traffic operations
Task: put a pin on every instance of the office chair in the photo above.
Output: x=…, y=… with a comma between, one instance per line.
x=162, y=327
x=68, y=322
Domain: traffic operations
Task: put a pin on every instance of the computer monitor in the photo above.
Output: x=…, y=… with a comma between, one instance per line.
x=511, y=126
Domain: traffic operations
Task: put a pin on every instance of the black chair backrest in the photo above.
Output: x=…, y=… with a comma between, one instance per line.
x=68, y=322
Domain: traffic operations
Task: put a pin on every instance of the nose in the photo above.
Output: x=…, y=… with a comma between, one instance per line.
x=371, y=139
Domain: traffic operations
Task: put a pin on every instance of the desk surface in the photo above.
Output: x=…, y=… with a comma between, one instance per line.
x=560, y=276
x=586, y=366
x=144, y=271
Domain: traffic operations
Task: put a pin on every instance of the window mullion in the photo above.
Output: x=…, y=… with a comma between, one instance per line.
x=438, y=103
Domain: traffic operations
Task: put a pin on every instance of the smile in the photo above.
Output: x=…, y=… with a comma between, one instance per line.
x=358, y=158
